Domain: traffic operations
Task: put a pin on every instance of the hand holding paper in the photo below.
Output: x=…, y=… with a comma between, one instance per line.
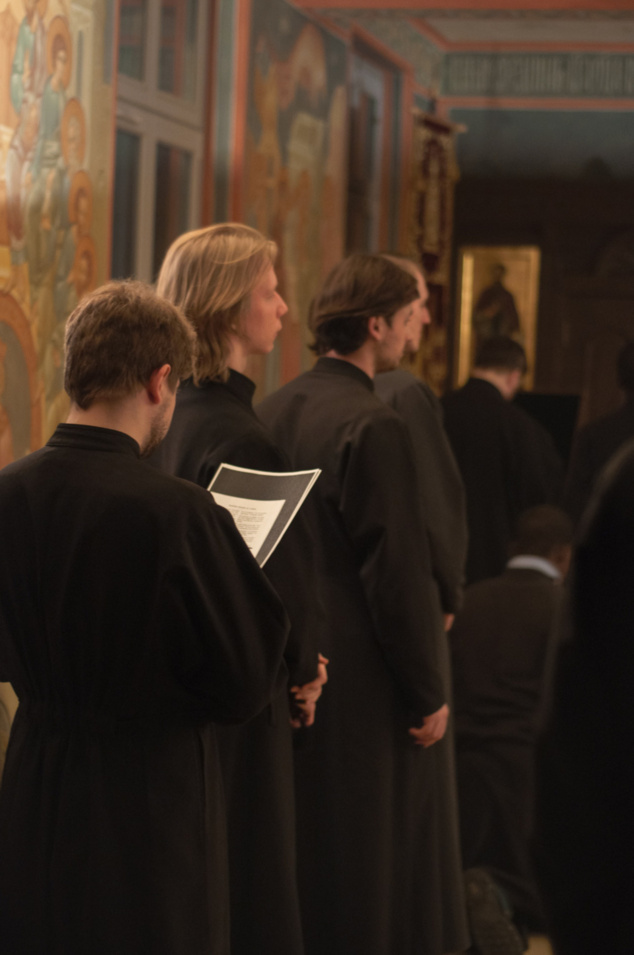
x=262, y=503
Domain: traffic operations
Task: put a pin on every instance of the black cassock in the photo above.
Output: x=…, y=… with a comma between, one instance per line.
x=508, y=463
x=365, y=793
x=443, y=509
x=439, y=480
x=212, y=424
x=503, y=645
x=585, y=819
x=131, y=617
x=593, y=447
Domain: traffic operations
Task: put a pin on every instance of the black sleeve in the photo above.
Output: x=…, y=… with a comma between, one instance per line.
x=379, y=507
x=581, y=476
x=223, y=627
x=443, y=504
x=290, y=568
x=538, y=466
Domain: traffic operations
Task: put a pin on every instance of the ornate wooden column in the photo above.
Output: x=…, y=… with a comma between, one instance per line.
x=429, y=236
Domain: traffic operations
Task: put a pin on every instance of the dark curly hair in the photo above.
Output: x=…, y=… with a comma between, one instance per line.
x=359, y=288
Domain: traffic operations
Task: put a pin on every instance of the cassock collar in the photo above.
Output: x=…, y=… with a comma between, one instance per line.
x=533, y=562
x=338, y=366
x=88, y=437
x=484, y=387
x=237, y=384
x=241, y=386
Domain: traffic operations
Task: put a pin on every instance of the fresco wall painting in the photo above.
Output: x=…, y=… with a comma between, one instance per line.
x=54, y=200
x=295, y=172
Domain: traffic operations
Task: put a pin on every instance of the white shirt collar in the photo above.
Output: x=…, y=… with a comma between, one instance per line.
x=532, y=562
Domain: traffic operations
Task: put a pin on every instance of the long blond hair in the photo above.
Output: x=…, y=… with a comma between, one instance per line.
x=210, y=274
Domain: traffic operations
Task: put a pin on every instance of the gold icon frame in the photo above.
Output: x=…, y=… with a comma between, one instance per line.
x=522, y=264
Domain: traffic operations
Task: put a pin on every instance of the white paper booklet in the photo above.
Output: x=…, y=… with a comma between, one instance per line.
x=262, y=503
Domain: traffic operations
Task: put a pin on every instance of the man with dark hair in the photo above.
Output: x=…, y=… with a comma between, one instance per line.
x=440, y=482
x=132, y=616
x=443, y=508
x=507, y=460
x=364, y=786
x=595, y=443
x=502, y=646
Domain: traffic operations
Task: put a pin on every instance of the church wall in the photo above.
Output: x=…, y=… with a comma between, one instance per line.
x=290, y=157
x=56, y=108
x=225, y=31
x=583, y=228
x=545, y=143
x=545, y=159
x=56, y=124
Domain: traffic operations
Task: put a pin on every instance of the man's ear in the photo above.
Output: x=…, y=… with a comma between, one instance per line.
x=158, y=383
x=375, y=327
x=513, y=382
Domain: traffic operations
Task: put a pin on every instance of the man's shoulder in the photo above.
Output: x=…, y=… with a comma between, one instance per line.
x=346, y=392
x=401, y=381
x=167, y=501
x=474, y=403
x=128, y=475
x=610, y=429
x=14, y=474
x=285, y=393
x=348, y=410
x=516, y=593
x=153, y=483
x=376, y=430
x=473, y=391
x=395, y=380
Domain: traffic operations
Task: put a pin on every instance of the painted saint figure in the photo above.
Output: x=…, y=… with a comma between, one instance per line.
x=19, y=178
x=44, y=201
x=28, y=71
x=495, y=312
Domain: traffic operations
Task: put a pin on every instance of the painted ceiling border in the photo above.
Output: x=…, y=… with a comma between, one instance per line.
x=537, y=104
x=469, y=6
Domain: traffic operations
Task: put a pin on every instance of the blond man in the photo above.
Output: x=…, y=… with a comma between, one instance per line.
x=223, y=277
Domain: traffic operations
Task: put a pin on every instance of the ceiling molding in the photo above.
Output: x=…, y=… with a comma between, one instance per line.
x=537, y=104
x=605, y=7
x=554, y=47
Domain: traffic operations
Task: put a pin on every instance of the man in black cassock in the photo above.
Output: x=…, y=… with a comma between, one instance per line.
x=223, y=275
x=364, y=789
x=585, y=779
x=443, y=509
x=132, y=616
x=507, y=460
x=503, y=646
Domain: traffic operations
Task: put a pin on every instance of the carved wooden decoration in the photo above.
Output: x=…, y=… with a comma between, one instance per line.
x=429, y=235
